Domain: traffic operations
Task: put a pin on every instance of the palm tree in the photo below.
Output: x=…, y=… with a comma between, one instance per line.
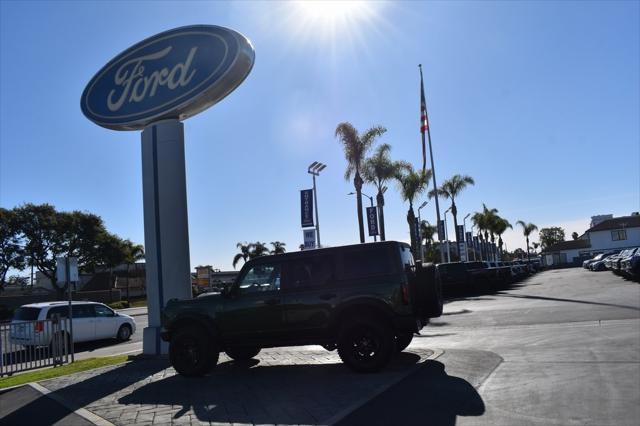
x=278, y=247
x=427, y=231
x=485, y=221
x=412, y=184
x=258, y=249
x=501, y=226
x=450, y=189
x=527, y=229
x=244, y=254
x=355, y=148
x=133, y=253
x=377, y=170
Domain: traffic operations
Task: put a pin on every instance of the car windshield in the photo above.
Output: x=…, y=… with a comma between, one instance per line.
x=27, y=314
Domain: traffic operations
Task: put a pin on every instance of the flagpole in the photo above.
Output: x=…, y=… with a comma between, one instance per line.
x=433, y=169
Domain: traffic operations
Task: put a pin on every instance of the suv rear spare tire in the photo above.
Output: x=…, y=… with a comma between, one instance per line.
x=366, y=344
x=192, y=351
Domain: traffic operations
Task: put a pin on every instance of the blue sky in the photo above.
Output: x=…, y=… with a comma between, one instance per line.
x=538, y=101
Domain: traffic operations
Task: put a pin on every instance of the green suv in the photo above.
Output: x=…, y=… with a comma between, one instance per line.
x=364, y=300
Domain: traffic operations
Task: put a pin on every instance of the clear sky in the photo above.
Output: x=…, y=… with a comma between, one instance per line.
x=538, y=101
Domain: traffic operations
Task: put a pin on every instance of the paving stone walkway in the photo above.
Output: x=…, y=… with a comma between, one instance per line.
x=280, y=386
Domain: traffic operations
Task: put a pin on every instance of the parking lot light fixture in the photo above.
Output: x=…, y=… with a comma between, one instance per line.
x=314, y=170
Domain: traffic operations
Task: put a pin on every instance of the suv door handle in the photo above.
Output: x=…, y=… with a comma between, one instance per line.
x=272, y=301
x=327, y=296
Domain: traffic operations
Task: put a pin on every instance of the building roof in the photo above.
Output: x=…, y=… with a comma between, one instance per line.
x=617, y=223
x=569, y=245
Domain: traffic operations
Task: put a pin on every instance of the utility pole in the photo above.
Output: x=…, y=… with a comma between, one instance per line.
x=314, y=169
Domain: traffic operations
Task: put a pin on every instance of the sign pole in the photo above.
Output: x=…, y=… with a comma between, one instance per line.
x=315, y=201
x=68, y=281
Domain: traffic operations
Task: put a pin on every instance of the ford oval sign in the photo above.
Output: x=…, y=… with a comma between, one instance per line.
x=175, y=74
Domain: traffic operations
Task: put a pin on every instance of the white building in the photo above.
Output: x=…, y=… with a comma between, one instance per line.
x=605, y=234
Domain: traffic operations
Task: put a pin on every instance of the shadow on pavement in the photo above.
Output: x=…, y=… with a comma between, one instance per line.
x=252, y=393
x=525, y=296
x=83, y=393
x=13, y=401
x=428, y=397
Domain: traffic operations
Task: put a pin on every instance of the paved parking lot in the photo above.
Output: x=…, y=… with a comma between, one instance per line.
x=561, y=348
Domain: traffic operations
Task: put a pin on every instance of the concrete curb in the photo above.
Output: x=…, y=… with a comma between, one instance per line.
x=344, y=413
x=85, y=414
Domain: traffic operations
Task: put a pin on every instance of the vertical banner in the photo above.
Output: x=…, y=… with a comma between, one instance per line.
x=306, y=207
x=469, y=239
x=372, y=220
x=441, y=233
x=309, y=236
x=460, y=233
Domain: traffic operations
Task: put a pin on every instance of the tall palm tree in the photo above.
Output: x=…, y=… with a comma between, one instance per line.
x=427, y=231
x=412, y=183
x=278, y=247
x=258, y=249
x=479, y=221
x=501, y=225
x=355, y=149
x=450, y=189
x=527, y=229
x=378, y=169
x=244, y=254
x=485, y=221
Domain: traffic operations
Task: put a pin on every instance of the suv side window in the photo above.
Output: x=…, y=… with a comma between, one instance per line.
x=103, y=311
x=63, y=311
x=83, y=311
x=368, y=261
x=262, y=277
x=312, y=271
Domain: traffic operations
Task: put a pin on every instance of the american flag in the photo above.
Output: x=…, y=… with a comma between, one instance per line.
x=424, y=121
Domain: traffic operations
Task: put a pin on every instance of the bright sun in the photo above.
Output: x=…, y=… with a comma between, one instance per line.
x=331, y=16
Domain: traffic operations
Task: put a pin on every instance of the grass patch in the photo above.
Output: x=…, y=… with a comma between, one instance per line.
x=50, y=373
x=138, y=303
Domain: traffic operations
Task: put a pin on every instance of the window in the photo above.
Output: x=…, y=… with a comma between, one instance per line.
x=407, y=257
x=26, y=314
x=62, y=311
x=310, y=272
x=618, y=235
x=366, y=262
x=263, y=277
x=103, y=311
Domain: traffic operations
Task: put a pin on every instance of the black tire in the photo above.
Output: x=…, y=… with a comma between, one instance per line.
x=429, y=291
x=192, y=351
x=366, y=344
x=242, y=353
x=124, y=333
x=403, y=340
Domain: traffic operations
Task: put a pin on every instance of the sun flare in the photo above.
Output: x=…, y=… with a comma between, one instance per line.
x=332, y=16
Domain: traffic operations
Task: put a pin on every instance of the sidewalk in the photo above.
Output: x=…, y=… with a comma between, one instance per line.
x=280, y=386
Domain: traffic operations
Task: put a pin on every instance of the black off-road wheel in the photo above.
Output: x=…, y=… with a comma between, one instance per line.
x=366, y=344
x=242, y=353
x=403, y=340
x=193, y=351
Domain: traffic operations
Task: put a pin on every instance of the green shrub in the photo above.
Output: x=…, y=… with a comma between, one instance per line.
x=118, y=305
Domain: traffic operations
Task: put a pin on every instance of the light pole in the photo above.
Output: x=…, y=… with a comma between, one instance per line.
x=473, y=246
x=446, y=235
x=420, y=230
x=314, y=169
x=371, y=200
x=464, y=237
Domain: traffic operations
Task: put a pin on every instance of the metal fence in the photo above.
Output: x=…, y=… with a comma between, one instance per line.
x=27, y=345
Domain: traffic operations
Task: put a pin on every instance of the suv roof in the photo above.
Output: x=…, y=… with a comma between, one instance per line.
x=57, y=303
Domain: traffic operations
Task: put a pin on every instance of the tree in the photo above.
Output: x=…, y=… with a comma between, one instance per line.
x=412, y=184
x=427, y=231
x=134, y=253
x=12, y=255
x=527, y=229
x=244, y=253
x=535, y=247
x=258, y=249
x=575, y=235
x=278, y=247
x=355, y=149
x=49, y=234
x=500, y=226
x=485, y=221
x=450, y=189
x=377, y=170
x=551, y=236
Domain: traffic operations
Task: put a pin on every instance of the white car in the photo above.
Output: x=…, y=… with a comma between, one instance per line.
x=31, y=324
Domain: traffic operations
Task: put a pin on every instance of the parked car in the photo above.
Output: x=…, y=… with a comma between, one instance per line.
x=596, y=258
x=625, y=261
x=615, y=263
x=459, y=277
x=366, y=300
x=631, y=265
x=91, y=321
x=499, y=274
x=600, y=264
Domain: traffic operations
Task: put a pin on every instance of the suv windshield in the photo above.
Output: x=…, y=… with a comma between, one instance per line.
x=27, y=314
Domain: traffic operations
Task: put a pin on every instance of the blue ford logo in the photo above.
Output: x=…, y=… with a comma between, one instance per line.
x=175, y=74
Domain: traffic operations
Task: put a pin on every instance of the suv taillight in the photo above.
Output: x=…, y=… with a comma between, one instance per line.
x=405, y=293
x=38, y=326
